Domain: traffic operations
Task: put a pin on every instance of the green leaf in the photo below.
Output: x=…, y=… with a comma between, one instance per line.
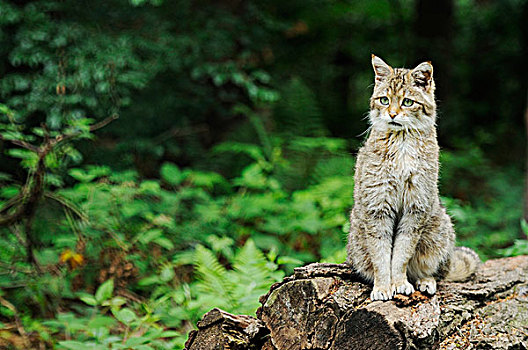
x=171, y=174
x=104, y=291
x=167, y=273
x=115, y=302
x=149, y=187
x=251, y=150
x=6, y=110
x=125, y=316
x=137, y=2
x=9, y=191
x=147, y=281
x=81, y=175
x=164, y=242
x=89, y=299
x=135, y=341
x=169, y=334
x=29, y=158
x=38, y=131
x=73, y=345
x=289, y=260
x=205, y=179
x=150, y=235
x=13, y=135
x=101, y=322
x=112, y=339
x=524, y=226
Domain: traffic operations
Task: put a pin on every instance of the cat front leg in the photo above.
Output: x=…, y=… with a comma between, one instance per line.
x=379, y=250
x=404, y=248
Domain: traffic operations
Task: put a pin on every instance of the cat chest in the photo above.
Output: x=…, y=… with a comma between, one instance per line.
x=402, y=167
x=397, y=181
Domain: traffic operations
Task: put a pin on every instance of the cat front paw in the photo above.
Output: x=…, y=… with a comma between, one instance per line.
x=403, y=287
x=382, y=293
x=427, y=285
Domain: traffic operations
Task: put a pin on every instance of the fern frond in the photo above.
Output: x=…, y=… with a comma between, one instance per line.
x=298, y=111
x=333, y=166
x=254, y=274
x=253, y=151
x=212, y=276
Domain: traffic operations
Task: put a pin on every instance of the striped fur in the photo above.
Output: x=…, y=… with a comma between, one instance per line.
x=400, y=232
x=463, y=264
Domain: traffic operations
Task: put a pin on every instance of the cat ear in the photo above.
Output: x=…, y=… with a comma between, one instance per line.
x=382, y=69
x=423, y=75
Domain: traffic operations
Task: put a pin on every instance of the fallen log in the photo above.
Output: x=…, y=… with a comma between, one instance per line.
x=327, y=307
x=221, y=330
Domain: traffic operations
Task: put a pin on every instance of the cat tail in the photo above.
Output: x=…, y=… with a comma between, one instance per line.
x=464, y=262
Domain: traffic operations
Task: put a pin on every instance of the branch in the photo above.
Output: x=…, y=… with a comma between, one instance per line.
x=16, y=232
x=31, y=193
x=103, y=122
x=22, y=144
x=32, y=190
x=18, y=322
x=64, y=137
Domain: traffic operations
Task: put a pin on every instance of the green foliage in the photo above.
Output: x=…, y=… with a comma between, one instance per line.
x=236, y=288
x=488, y=202
x=298, y=112
x=125, y=330
x=519, y=247
x=178, y=216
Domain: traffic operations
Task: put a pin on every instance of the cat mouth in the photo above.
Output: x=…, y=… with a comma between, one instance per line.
x=395, y=124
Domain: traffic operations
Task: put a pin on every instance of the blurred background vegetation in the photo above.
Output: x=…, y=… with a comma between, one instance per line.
x=160, y=158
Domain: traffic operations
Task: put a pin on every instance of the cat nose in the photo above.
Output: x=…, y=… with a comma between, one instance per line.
x=393, y=115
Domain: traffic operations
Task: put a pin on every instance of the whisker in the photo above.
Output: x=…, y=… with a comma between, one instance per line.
x=366, y=116
x=366, y=131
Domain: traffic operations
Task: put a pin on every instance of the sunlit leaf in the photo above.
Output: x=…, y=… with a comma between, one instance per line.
x=104, y=291
x=125, y=316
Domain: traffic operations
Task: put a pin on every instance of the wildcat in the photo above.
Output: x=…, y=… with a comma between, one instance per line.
x=399, y=230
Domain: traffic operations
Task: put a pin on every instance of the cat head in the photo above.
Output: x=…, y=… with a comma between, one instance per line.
x=403, y=99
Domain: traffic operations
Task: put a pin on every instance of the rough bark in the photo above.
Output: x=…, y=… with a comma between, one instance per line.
x=221, y=330
x=325, y=306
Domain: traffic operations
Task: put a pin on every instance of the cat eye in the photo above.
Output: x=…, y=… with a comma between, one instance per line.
x=384, y=100
x=407, y=102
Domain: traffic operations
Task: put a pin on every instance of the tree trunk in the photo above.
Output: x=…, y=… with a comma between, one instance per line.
x=524, y=35
x=525, y=214
x=324, y=306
